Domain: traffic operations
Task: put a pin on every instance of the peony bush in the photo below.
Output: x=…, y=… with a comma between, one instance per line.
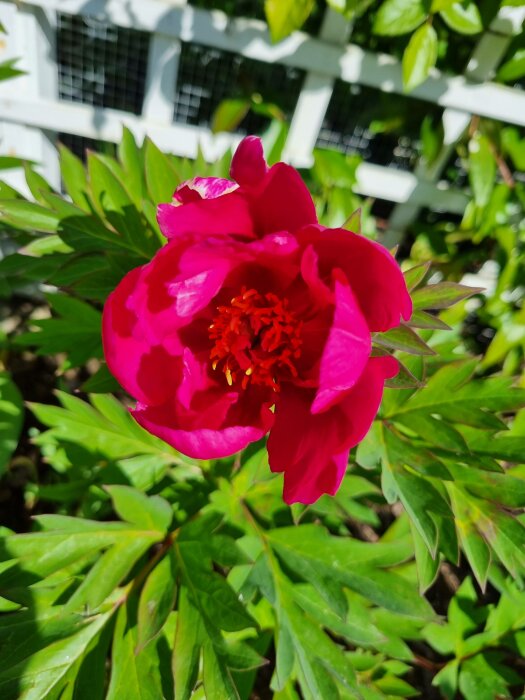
x=174, y=336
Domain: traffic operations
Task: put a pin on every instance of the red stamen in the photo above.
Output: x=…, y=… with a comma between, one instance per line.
x=256, y=339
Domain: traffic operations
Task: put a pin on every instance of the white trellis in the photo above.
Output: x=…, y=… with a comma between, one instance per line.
x=31, y=112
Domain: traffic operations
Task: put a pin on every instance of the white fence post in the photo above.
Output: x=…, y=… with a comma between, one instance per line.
x=314, y=98
x=32, y=32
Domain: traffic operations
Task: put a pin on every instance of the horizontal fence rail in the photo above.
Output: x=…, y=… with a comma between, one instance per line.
x=31, y=112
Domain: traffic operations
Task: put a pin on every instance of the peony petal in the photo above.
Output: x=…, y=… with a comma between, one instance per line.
x=203, y=188
x=347, y=349
x=373, y=273
x=147, y=371
x=223, y=216
x=311, y=449
x=283, y=202
x=209, y=433
x=248, y=166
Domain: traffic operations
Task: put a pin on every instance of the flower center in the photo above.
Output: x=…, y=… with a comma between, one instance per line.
x=256, y=340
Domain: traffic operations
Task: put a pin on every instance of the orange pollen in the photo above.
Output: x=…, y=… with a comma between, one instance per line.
x=256, y=340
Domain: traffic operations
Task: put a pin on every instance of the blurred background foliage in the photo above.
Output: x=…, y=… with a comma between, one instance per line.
x=145, y=574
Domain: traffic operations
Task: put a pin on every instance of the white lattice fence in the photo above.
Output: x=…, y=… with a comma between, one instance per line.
x=32, y=114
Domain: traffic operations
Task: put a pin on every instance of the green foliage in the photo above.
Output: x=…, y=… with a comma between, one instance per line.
x=11, y=418
x=145, y=574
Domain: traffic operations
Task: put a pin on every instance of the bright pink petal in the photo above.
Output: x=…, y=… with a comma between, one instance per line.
x=248, y=166
x=147, y=371
x=372, y=272
x=203, y=188
x=223, y=216
x=283, y=202
x=215, y=427
x=311, y=449
x=347, y=349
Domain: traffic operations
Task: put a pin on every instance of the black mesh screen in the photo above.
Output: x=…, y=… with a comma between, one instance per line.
x=207, y=76
x=381, y=127
x=79, y=144
x=101, y=64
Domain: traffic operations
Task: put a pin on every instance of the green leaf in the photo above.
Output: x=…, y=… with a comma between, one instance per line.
x=109, y=430
x=474, y=546
x=424, y=320
x=435, y=431
x=285, y=16
x=43, y=673
x=218, y=682
x=415, y=275
x=161, y=177
x=311, y=552
x=188, y=642
x=419, y=57
x=110, y=194
x=11, y=419
x=27, y=215
x=427, y=566
x=479, y=680
x=463, y=17
x=397, y=17
x=134, y=676
x=156, y=599
x=133, y=167
x=442, y=295
x=513, y=69
x=215, y=600
x=482, y=169
x=229, y=114
x=36, y=183
x=74, y=177
x=76, y=331
x=108, y=572
x=405, y=339
x=150, y=513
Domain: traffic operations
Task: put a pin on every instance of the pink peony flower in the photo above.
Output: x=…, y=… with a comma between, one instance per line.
x=254, y=318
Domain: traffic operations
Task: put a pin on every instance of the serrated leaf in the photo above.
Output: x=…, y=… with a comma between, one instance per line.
x=148, y=513
x=419, y=57
x=11, y=419
x=396, y=17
